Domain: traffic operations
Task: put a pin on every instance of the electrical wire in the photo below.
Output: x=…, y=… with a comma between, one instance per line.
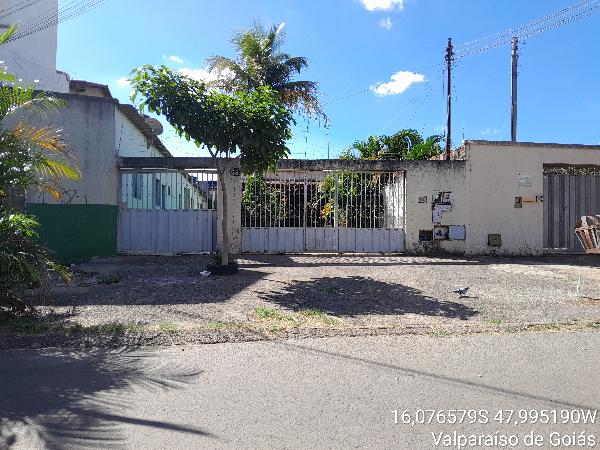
x=53, y=17
x=526, y=31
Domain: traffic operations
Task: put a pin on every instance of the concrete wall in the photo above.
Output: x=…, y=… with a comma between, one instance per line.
x=33, y=57
x=423, y=181
x=233, y=182
x=77, y=232
x=497, y=172
x=88, y=125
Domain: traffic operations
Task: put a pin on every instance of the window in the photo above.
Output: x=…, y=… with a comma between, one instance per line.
x=186, y=198
x=137, y=186
x=157, y=192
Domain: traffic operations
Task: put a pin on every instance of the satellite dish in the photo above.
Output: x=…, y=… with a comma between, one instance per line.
x=155, y=125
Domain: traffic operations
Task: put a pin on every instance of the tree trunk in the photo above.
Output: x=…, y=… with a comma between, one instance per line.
x=224, y=227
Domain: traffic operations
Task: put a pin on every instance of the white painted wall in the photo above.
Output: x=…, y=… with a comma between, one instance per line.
x=33, y=57
x=493, y=170
x=425, y=179
x=129, y=140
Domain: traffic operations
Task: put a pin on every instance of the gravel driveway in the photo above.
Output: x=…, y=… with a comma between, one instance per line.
x=361, y=290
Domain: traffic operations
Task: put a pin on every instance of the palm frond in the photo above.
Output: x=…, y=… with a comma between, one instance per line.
x=44, y=137
x=55, y=169
x=4, y=37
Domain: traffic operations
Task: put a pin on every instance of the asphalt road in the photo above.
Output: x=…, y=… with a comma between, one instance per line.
x=327, y=393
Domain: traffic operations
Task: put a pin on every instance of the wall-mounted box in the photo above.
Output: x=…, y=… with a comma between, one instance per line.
x=457, y=232
x=494, y=240
x=518, y=202
x=425, y=235
x=422, y=199
x=440, y=233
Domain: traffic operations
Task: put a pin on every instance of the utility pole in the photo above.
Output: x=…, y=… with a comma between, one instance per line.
x=515, y=75
x=449, y=57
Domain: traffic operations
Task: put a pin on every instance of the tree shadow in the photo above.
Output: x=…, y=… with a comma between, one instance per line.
x=58, y=400
x=160, y=287
x=354, y=296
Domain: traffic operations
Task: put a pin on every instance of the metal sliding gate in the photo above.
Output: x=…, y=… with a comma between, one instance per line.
x=569, y=193
x=337, y=211
x=163, y=212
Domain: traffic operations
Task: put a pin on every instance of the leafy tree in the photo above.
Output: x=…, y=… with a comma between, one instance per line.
x=253, y=124
x=31, y=155
x=406, y=144
x=261, y=62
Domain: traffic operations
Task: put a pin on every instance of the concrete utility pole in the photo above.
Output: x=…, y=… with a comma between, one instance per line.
x=515, y=74
x=449, y=57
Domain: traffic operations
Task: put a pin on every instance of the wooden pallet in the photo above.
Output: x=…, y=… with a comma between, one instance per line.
x=588, y=233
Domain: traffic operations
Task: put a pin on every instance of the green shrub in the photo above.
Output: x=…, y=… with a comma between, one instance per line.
x=23, y=261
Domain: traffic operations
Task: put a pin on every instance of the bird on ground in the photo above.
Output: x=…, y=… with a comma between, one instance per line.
x=461, y=291
x=205, y=273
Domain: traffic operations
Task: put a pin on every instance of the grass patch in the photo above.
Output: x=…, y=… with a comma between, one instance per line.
x=276, y=320
x=109, y=278
x=167, y=327
x=496, y=321
x=327, y=319
x=273, y=314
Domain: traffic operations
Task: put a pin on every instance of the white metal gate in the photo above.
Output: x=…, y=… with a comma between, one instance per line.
x=569, y=193
x=337, y=211
x=167, y=212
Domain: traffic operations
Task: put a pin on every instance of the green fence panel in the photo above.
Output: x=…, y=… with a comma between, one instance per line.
x=77, y=232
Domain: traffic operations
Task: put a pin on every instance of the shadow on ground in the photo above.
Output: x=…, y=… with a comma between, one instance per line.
x=79, y=402
x=378, y=260
x=356, y=295
x=159, y=287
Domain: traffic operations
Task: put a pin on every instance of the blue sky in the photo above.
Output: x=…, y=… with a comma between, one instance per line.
x=353, y=45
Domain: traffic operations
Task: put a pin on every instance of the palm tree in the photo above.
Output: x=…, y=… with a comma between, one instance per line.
x=261, y=62
x=30, y=154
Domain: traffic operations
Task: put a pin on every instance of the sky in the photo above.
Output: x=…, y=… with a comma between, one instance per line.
x=378, y=63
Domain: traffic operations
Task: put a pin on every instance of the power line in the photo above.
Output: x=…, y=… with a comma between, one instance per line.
x=17, y=7
x=53, y=17
x=510, y=31
x=533, y=28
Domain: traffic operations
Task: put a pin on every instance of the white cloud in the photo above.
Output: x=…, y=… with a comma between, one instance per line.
x=176, y=59
x=490, y=131
x=123, y=82
x=398, y=83
x=198, y=74
x=203, y=74
x=386, y=5
x=386, y=23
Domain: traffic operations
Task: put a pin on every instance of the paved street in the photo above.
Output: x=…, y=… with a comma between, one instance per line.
x=322, y=393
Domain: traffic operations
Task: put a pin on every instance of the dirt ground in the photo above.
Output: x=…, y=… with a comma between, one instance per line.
x=360, y=290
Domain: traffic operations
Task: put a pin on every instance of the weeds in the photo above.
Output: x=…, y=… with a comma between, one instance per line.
x=109, y=278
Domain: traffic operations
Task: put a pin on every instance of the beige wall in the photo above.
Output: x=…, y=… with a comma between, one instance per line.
x=425, y=179
x=96, y=132
x=493, y=171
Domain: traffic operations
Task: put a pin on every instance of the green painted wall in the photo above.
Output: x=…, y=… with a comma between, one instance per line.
x=77, y=232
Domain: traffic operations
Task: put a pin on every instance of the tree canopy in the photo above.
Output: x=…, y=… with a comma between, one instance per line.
x=406, y=144
x=261, y=62
x=253, y=125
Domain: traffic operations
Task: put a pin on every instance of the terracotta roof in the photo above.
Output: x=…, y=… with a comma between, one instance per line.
x=138, y=120
x=77, y=85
